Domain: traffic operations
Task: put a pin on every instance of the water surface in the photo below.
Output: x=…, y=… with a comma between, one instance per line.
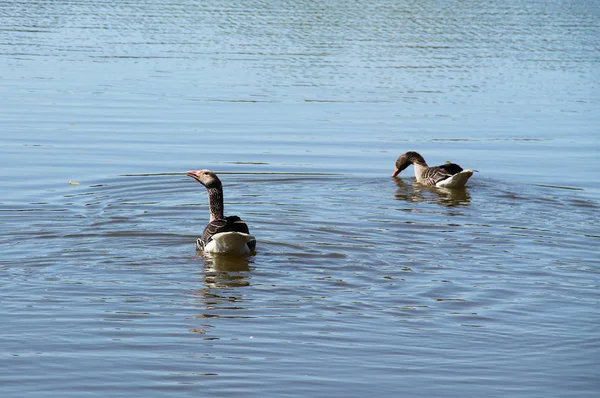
x=361, y=284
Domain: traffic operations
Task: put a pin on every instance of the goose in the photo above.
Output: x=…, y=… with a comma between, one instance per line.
x=449, y=175
x=222, y=235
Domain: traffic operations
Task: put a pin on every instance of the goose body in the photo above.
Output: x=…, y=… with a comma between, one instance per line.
x=449, y=175
x=228, y=243
x=224, y=235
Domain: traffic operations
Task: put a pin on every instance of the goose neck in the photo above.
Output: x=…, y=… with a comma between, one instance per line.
x=215, y=203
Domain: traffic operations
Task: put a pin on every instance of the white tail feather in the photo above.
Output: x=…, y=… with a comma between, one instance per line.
x=458, y=180
x=230, y=243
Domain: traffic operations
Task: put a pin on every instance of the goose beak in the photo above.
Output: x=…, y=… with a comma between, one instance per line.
x=193, y=173
x=396, y=171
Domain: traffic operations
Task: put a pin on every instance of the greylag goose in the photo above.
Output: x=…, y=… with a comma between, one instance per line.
x=448, y=175
x=227, y=235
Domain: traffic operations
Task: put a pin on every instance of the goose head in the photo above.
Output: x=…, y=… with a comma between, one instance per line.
x=205, y=177
x=406, y=160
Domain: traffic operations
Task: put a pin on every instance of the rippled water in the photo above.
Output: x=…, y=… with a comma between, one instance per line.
x=361, y=284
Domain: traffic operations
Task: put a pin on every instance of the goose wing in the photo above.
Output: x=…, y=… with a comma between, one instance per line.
x=433, y=175
x=451, y=168
x=226, y=224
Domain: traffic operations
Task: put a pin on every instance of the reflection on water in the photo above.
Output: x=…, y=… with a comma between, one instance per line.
x=415, y=192
x=227, y=262
x=225, y=271
x=222, y=277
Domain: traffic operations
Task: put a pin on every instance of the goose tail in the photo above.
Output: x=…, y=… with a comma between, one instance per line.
x=458, y=180
x=231, y=243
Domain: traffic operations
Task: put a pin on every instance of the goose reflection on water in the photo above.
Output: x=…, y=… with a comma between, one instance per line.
x=226, y=271
x=220, y=294
x=415, y=192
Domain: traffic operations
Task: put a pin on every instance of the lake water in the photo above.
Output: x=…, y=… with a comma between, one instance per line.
x=361, y=284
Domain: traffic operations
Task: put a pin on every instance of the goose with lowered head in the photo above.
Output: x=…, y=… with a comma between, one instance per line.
x=449, y=175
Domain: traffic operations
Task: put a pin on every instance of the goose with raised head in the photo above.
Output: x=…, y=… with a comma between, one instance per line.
x=225, y=235
x=449, y=175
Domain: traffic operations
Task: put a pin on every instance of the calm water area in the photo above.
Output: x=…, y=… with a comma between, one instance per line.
x=362, y=284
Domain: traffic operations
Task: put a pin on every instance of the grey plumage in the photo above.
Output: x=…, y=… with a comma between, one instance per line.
x=225, y=224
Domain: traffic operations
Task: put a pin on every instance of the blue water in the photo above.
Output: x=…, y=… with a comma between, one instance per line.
x=361, y=284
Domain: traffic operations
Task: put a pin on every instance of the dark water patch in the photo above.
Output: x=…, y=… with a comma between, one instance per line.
x=559, y=187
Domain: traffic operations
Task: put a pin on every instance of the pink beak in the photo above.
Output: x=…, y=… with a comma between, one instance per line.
x=192, y=173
